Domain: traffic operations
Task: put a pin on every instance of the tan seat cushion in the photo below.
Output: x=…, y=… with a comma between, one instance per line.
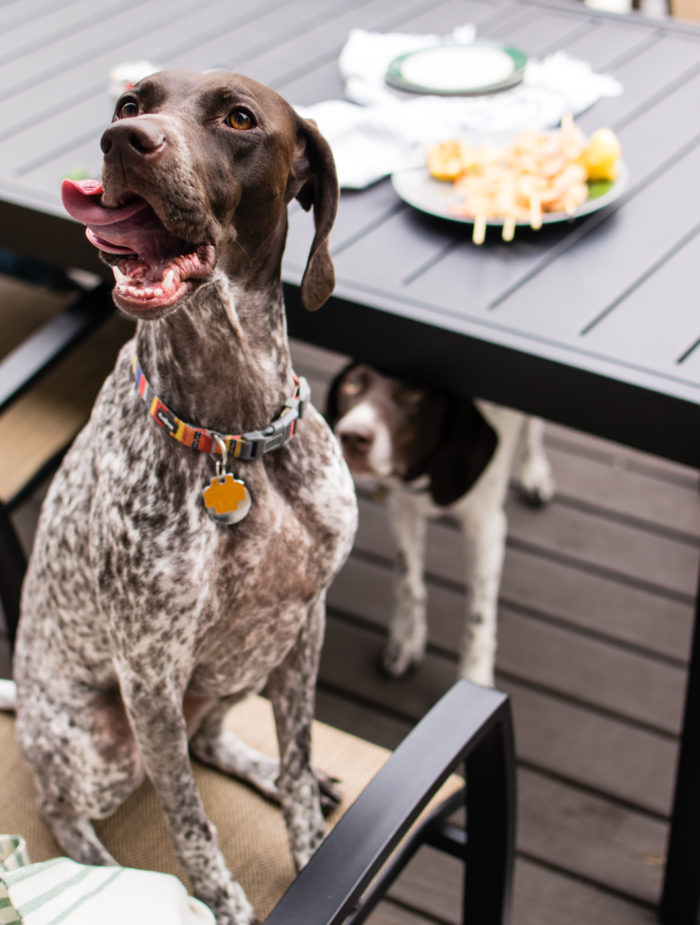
x=251, y=829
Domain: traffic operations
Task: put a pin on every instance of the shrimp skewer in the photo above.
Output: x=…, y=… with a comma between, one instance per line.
x=537, y=172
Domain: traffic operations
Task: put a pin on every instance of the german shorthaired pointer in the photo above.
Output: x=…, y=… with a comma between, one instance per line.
x=178, y=564
x=435, y=453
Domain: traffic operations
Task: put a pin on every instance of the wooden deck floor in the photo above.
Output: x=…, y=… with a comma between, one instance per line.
x=594, y=630
x=595, y=620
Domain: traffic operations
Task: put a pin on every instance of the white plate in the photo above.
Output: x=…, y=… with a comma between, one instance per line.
x=480, y=67
x=420, y=190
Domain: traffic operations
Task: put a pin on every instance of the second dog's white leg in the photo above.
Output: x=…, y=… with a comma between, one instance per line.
x=405, y=646
x=485, y=547
x=536, y=482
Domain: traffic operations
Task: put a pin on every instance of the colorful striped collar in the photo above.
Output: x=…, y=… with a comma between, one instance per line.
x=246, y=446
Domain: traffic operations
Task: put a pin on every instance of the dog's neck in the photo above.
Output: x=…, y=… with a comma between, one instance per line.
x=221, y=360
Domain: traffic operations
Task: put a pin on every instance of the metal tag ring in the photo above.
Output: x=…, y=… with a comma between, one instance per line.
x=221, y=460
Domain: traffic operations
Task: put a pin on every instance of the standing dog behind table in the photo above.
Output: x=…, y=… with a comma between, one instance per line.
x=185, y=546
x=438, y=453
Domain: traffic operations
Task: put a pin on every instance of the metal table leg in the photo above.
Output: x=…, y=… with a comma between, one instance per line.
x=680, y=899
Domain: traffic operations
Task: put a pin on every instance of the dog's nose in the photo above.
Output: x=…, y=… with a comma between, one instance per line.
x=356, y=441
x=131, y=138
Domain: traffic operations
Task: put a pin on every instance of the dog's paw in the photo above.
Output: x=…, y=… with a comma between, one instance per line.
x=304, y=838
x=536, y=496
x=536, y=484
x=330, y=792
x=229, y=905
x=395, y=663
x=304, y=851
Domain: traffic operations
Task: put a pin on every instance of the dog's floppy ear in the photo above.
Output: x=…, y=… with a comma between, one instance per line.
x=331, y=412
x=313, y=172
x=466, y=449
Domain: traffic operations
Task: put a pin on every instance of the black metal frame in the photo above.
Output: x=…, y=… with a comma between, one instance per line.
x=470, y=728
x=19, y=370
x=13, y=564
x=680, y=898
x=38, y=352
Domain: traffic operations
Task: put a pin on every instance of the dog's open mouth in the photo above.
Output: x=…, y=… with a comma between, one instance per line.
x=153, y=267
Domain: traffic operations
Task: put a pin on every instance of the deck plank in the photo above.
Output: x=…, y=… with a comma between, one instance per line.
x=617, y=678
x=596, y=605
x=605, y=841
x=633, y=496
x=542, y=896
x=578, y=565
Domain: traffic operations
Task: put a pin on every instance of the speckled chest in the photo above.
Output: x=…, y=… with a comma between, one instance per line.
x=223, y=600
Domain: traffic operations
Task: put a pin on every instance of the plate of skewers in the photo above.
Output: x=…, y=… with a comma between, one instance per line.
x=529, y=179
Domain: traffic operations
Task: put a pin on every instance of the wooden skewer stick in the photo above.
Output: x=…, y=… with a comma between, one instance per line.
x=508, y=232
x=479, y=233
x=535, y=211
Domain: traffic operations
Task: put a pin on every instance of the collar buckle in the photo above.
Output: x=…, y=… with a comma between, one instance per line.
x=281, y=430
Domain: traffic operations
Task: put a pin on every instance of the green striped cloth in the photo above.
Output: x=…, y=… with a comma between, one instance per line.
x=62, y=892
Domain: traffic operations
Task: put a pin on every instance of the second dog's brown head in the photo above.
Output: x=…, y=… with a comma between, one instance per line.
x=198, y=171
x=392, y=428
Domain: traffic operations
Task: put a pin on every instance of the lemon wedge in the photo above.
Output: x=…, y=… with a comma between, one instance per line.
x=601, y=156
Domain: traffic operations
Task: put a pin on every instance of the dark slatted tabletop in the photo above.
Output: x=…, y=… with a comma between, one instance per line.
x=605, y=306
x=593, y=324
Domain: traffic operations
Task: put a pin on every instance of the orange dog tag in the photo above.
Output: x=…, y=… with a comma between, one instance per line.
x=226, y=499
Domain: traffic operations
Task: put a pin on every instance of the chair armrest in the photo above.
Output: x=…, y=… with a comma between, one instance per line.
x=23, y=365
x=469, y=724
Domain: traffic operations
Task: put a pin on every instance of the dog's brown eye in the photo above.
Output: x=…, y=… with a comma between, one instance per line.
x=128, y=109
x=351, y=387
x=410, y=397
x=240, y=119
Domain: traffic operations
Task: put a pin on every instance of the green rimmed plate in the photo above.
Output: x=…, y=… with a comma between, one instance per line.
x=452, y=69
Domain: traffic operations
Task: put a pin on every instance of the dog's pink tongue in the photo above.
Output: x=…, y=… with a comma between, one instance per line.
x=130, y=229
x=107, y=229
x=81, y=199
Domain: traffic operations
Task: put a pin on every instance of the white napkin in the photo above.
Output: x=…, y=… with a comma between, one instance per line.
x=78, y=894
x=373, y=132
x=8, y=694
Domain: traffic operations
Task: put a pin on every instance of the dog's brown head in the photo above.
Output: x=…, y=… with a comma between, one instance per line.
x=198, y=171
x=389, y=427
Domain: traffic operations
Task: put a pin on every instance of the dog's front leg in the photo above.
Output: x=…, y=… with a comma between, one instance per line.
x=291, y=688
x=219, y=747
x=155, y=714
x=405, y=646
x=485, y=538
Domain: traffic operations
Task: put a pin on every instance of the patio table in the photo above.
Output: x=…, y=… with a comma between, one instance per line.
x=592, y=323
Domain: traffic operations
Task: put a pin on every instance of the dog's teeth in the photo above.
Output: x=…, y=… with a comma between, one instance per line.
x=168, y=279
x=120, y=277
x=157, y=291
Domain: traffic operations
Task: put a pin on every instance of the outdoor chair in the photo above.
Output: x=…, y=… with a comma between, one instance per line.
x=469, y=730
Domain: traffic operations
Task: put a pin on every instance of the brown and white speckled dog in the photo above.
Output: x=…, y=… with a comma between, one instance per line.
x=435, y=452
x=143, y=618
